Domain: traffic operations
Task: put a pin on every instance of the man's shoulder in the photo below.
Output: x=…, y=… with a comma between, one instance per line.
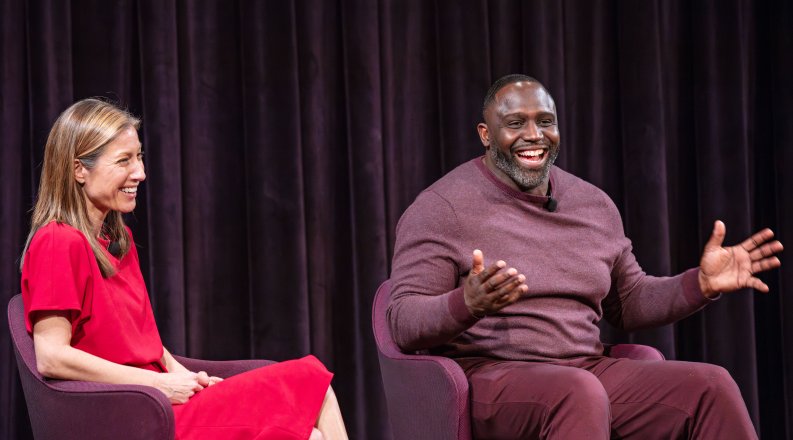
x=440, y=201
x=463, y=173
x=565, y=181
x=457, y=183
x=571, y=189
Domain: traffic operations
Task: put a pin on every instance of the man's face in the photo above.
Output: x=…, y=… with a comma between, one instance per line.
x=521, y=136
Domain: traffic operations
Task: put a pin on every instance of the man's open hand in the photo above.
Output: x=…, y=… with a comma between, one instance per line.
x=726, y=269
x=488, y=290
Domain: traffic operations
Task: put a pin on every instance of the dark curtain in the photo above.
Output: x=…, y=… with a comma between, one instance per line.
x=284, y=139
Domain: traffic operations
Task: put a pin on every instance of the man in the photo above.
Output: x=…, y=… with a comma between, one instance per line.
x=525, y=333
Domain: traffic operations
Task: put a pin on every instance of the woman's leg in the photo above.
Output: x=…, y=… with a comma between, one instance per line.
x=330, y=422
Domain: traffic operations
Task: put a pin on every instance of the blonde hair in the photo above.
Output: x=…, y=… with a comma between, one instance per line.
x=81, y=132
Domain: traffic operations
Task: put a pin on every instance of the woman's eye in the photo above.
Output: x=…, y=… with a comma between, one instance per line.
x=123, y=161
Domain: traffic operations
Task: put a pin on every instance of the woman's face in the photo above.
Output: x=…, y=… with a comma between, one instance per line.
x=112, y=184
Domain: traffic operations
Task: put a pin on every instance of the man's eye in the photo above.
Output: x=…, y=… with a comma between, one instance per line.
x=514, y=124
x=546, y=122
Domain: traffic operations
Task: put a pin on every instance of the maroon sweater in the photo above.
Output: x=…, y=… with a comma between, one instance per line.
x=578, y=264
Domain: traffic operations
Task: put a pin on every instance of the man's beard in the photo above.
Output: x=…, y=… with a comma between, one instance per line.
x=525, y=179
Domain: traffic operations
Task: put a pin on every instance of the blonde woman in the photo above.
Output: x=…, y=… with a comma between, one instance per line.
x=87, y=307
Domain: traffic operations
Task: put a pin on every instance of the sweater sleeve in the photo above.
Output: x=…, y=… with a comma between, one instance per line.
x=427, y=307
x=637, y=300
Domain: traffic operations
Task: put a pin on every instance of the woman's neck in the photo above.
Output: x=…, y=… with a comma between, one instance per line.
x=97, y=219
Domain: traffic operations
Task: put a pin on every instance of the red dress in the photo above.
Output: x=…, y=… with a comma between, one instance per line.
x=112, y=318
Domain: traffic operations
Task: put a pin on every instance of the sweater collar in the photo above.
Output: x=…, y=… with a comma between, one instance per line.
x=480, y=164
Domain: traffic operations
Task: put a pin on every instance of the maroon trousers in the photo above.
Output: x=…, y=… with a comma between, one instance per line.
x=602, y=398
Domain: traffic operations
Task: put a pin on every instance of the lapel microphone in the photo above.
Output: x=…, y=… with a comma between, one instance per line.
x=551, y=204
x=115, y=248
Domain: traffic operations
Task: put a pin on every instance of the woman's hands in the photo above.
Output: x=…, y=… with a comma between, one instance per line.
x=178, y=387
x=206, y=380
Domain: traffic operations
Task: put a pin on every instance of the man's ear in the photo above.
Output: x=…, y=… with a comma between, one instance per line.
x=79, y=171
x=484, y=134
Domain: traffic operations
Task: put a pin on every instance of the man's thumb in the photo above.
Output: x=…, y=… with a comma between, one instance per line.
x=478, y=262
x=717, y=237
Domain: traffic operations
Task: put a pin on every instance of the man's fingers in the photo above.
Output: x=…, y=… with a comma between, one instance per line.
x=478, y=262
x=510, y=281
x=512, y=286
x=756, y=284
x=757, y=239
x=765, y=250
x=512, y=296
x=766, y=264
x=485, y=274
x=717, y=236
x=500, y=280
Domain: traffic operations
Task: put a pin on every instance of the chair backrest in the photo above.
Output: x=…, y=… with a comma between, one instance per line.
x=427, y=396
x=33, y=383
x=22, y=341
x=65, y=409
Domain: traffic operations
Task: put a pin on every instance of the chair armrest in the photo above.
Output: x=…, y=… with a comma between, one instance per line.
x=222, y=369
x=427, y=397
x=117, y=411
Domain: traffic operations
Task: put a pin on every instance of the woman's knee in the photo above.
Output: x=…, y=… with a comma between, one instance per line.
x=316, y=435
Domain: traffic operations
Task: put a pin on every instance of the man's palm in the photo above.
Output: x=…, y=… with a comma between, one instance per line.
x=724, y=269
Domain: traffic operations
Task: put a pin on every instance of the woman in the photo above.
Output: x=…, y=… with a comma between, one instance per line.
x=88, y=310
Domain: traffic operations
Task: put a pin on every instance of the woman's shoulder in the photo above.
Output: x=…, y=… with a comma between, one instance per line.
x=58, y=235
x=55, y=247
x=60, y=230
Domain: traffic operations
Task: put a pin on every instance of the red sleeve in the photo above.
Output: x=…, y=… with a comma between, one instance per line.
x=57, y=272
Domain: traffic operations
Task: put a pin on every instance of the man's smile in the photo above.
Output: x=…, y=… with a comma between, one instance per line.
x=531, y=157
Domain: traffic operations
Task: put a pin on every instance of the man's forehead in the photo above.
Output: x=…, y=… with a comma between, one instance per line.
x=523, y=95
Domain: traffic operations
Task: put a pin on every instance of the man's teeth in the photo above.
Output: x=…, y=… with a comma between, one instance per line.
x=531, y=153
x=129, y=190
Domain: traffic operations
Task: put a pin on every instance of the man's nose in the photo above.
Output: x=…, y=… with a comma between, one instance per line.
x=532, y=132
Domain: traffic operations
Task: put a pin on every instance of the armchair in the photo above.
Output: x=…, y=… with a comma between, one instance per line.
x=66, y=409
x=427, y=396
